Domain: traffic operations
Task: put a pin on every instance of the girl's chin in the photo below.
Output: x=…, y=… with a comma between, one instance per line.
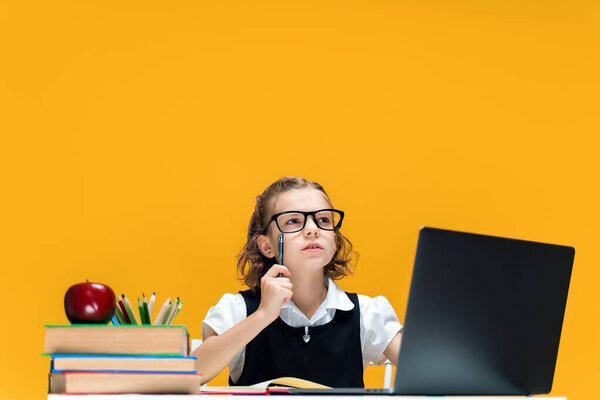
x=309, y=265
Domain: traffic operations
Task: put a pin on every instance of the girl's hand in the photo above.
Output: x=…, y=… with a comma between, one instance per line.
x=275, y=291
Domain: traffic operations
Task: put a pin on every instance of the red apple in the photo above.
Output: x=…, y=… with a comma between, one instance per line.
x=89, y=303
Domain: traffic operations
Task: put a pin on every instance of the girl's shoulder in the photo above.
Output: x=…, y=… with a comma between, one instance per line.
x=230, y=301
x=375, y=305
x=378, y=320
x=229, y=311
x=368, y=305
x=230, y=307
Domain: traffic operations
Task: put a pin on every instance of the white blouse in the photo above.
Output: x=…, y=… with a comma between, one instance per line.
x=378, y=321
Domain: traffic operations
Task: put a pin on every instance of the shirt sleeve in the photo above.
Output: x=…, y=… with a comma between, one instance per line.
x=229, y=311
x=379, y=325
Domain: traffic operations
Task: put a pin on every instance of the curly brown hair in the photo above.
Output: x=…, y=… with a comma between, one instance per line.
x=252, y=264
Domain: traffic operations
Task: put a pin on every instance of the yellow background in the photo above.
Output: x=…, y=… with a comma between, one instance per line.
x=136, y=134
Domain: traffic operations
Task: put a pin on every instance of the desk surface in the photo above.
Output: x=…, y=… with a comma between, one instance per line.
x=256, y=397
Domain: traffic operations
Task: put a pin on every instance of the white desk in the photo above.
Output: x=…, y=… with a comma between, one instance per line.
x=282, y=397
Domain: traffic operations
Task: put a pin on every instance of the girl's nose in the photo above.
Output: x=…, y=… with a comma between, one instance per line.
x=311, y=227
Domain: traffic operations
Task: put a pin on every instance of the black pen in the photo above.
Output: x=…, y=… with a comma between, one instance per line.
x=280, y=251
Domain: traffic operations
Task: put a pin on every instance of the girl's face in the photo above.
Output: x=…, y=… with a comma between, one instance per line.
x=309, y=249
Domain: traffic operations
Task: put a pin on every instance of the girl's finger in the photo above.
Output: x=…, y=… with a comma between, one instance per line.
x=286, y=285
x=277, y=269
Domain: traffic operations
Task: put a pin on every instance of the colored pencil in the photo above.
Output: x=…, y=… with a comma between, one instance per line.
x=119, y=313
x=141, y=311
x=161, y=313
x=170, y=313
x=129, y=310
x=178, y=309
x=124, y=312
x=146, y=311
x=151, y=303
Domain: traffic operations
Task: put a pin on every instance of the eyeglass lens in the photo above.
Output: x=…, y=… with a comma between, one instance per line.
x=293, y=222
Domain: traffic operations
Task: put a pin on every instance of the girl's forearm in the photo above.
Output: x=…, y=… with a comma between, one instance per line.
x=218, y=350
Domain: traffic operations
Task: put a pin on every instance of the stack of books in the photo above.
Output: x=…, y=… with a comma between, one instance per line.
x=120, y=359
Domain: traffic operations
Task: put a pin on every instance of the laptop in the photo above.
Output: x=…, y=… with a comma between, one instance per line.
x=483, y=317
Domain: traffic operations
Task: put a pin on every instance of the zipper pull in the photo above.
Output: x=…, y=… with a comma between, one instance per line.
x=306, y=336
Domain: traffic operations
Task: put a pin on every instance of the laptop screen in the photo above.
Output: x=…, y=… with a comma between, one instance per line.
x=484, y=315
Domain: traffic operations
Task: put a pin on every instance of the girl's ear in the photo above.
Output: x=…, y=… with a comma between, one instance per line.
x=265, y=247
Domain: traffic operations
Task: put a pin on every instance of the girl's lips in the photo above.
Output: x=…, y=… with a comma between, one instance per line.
x=312, y=246
x=312, y=249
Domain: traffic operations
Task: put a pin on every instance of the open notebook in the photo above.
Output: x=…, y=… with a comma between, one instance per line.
x=279, y=385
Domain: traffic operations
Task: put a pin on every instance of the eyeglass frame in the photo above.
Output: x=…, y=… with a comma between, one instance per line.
x=306, y=214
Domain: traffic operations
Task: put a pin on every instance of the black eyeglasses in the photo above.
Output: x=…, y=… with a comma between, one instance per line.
x=327, y=219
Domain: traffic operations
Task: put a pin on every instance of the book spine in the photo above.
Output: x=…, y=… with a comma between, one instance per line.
x=117, y=371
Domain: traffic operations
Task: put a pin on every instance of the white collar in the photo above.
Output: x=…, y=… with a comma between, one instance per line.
x=336, y=298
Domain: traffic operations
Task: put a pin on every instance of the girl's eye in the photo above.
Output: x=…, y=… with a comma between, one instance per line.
x=324, y=220
x=292, y=219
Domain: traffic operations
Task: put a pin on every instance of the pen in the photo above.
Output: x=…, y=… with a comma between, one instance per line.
x=280, y=252
x=280, y=249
